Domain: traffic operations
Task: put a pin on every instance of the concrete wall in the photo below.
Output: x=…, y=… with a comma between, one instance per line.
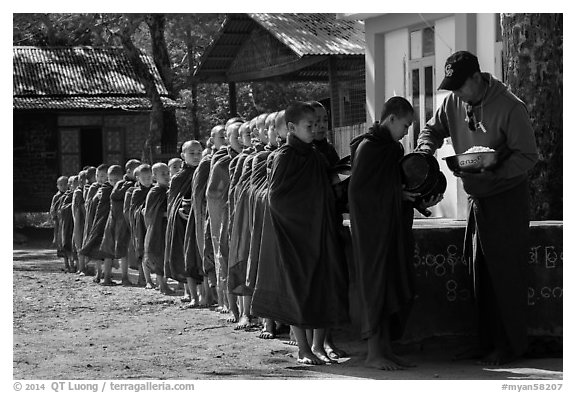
x=444, y=303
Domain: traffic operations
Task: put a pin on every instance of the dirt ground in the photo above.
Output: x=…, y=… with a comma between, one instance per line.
x=67, y=327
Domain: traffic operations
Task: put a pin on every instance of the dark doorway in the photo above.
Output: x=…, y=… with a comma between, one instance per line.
x=91, y=146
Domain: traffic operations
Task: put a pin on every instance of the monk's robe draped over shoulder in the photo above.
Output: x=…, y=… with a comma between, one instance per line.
x=241, y=231
x=54, y=215
x=201, y=220
x=311, y=289
x=216, y=198
x=257, y=199
x=137, y=204
x=91, y=248
x=327, y=150
x=79, y=216
x=91, y=204
x=155, y=221
x=116, y=234
x=66, y=227
x=179, y=192
x=381, y=226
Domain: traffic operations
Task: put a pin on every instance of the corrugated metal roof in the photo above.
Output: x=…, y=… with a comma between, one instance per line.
x=83, y=74
x=315, y=34
x=64, y=103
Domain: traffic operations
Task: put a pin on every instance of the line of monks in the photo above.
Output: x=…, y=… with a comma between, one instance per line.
x=252, y=223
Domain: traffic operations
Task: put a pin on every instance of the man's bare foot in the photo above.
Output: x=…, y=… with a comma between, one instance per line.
x=266, y=335
x=382, y=363
x=243, y=323
x=267, y=332
x=309, y=358
x=96, y=280
x=497, y=357
x=186, y=299
x=107, y=282
x=81, y=274
x=232, y=318
x=150, y=286
x=126, y=282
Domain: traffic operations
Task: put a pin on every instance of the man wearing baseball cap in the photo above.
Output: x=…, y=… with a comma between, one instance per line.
x=481, y=111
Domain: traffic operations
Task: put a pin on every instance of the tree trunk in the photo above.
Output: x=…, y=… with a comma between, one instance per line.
x=191, y=49
x=156, y=24
x=533, y=69
x=156, y=114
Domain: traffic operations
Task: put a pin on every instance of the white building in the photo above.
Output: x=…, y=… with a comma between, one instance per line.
x=405, y=55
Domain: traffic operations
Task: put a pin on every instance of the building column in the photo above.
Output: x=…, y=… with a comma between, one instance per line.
x=465, y=26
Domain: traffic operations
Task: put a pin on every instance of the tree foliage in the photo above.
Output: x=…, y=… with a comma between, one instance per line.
x=186, y=36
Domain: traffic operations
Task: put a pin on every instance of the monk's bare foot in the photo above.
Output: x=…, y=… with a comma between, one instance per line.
x=382, y=363
x=333, y=352
x=322, y=355
x=224, y=310
x=309, y=358
x=108, y=283
x=266, y=335
x=126, y=282
x=402, y=362
x=186, y=299
x=167, y=291
x=243, y=323
x=470, y=353
x=267, y=332
x=150, y=286
x=96, y=280
x=497, y=357
x=232, y=318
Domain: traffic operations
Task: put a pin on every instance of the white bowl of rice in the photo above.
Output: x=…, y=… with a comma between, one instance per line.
x=474, y=160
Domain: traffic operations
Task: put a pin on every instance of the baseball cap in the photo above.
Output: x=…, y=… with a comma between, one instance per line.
x=459, y=66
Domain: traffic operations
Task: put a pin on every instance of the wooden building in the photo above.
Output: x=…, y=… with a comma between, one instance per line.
x=72, y=107
x=292, y=48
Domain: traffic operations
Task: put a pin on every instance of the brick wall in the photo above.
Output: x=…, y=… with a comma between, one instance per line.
x=35, y=161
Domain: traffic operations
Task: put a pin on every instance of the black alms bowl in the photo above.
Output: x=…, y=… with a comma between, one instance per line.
x=472, y=162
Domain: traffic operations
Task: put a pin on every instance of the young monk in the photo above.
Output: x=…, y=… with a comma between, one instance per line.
x=78, y=216
x=101, y=201
x=179, y=195
x=216, y=200
x=117, y=233
x=155, y=219
x=240, y=231
x=380, y=209
x=174, y=165
x=258, y=198
x=320, y=133
x=310, y=290
x=66, y=224
x=137, y=205
x=62, y=185
x=202, y=223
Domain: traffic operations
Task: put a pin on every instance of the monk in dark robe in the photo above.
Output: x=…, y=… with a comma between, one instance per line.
x=320, y=132
x=78, y=216
x=258, y=202
x=155, y=220
x=202, y=222
x=311, y=291
x=91, y=245
x=66, y=227
x=179, y=207
x=117, y=233
x=138, y=229
x=240, y=231
x=217, y=191
x=62, y=185
x=381, y=215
